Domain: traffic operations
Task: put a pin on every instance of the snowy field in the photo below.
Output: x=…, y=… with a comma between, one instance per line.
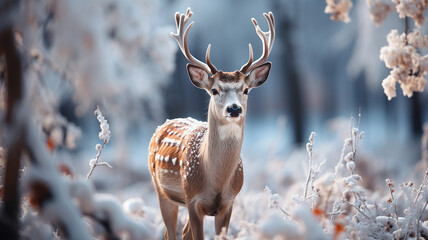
x=346, y=196
x=347, y=77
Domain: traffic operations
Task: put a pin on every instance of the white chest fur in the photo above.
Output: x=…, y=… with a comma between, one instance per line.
x=231, y=130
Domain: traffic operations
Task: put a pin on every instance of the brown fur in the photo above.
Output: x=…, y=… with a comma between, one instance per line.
x=206, y=182
x=229, y=76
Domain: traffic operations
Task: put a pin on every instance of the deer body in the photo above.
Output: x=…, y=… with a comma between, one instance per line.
x=198, y=164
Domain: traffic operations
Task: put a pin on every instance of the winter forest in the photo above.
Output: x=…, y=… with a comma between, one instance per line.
x=335, y=144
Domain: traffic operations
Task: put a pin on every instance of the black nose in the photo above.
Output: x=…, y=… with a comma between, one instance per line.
x=234, y=110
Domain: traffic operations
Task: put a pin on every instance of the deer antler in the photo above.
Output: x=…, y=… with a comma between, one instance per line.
x=267, y=41
x=181, y=38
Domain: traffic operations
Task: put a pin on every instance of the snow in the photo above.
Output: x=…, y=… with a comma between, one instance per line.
x=105, y=133
x=118, y=54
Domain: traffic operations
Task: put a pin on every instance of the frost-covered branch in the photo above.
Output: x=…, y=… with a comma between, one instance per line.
x=403, y=53
x=275, y=201
x=309, y=149
x=107, y=210
x=408, y=66
x=339, y=9
x=104, y=135
x=49, y=191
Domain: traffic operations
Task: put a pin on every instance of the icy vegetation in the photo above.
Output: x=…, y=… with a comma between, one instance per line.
x=339, y=9
x=59, y=60
x=404, y=52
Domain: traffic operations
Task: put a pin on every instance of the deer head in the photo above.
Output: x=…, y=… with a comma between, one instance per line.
x=228, y=90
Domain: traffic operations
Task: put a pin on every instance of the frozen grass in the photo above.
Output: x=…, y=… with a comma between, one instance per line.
x=308, y=196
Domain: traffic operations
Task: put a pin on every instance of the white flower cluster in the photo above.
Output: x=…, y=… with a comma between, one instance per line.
x=407, y=65
x=412, y=8
x=339, y=9
x=379, y=9
x=105, y=128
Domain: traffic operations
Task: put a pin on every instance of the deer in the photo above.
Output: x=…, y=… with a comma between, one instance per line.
x=197, y=164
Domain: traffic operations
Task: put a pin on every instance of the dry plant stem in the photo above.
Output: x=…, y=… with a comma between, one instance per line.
x=364, y=203
x=96, y=162
x=395, y=207
x=309, y=174
x=358, y=209
x=419, y=219
x=415, y=201
x=283, y=211
x=355, y=138
x=420, y=188
x=328, y=199
x=336, y=213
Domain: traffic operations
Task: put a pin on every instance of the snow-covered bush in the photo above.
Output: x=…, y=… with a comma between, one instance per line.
x=403, y=53
x=80, y=53
x=334, y=204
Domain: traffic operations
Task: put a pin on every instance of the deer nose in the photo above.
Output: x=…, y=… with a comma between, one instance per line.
x=234, y=110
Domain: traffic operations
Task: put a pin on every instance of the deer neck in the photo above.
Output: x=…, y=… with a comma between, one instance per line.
x=221, y=148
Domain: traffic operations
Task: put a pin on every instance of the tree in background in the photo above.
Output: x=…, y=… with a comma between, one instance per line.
x=117, y=54
x=404, y=53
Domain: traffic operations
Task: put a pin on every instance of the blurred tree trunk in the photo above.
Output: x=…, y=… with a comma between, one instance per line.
x=416, y=116
x=416, y=109
x=9, y=225
x=293, y=96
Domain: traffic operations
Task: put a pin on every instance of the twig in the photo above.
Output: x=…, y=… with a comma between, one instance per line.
x=309, y=148
x=390, y=185
x=419, y=219
x=95, y=163
x=358, y=209
x=420, y=187
x=364, y=203
x=103, y=135
x=283, y=211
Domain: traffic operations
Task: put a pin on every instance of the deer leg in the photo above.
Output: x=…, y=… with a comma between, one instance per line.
x=169, y=211
x=187, y=232
x=223, y=219
x=196, y=221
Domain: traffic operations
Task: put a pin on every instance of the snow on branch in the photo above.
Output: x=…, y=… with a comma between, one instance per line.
x=106, y=209
x=403, y=53
x=339, y=9
x=104, y=135
x=53, y=197
x=48, y=192
x=408, y=66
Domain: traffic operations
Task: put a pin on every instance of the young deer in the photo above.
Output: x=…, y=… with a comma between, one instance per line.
x=198, y=164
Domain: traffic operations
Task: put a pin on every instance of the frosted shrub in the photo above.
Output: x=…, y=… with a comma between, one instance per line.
x=402, y=54
x=407, y=65
x=339, y=9
x=379, y=9
x=412, y=8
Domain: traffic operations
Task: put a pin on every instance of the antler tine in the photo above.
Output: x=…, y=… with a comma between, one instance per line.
x=267, y=38
x=271, y=34
x=208, y=60
x=245, y=67
x=181, y=38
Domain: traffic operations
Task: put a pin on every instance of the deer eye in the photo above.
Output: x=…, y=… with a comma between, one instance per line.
x=214, y=91
x=246, y=91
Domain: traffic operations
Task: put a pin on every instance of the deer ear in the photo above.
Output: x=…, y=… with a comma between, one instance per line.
x=258, y=75
x=199, y=77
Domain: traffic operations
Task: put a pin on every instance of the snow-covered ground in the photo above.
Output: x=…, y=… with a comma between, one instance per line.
x=346, y=197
